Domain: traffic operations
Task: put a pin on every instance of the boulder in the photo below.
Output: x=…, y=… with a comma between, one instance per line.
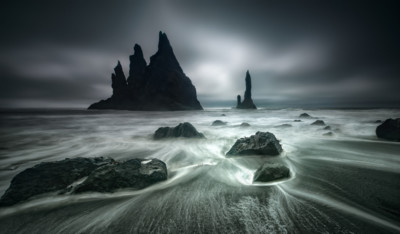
x=103, y=175
x=218, y=123
x=182, y=130
x=389, y=130
x=305, y=115
x=271, y=172
x=318, y=123
x=134, y=173
x=50, y=177
x=244, y=124
x=262, y=143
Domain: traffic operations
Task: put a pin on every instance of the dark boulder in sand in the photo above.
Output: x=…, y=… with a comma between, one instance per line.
x=262, y=143
x=218, y=123
x=271, y=172
x=50, y=177
x=305, y=115
x=389, y=130
x=182, y=130
x=319, y=123
x=134, y=173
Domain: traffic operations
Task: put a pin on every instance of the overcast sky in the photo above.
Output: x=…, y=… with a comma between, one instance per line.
x=299, y=53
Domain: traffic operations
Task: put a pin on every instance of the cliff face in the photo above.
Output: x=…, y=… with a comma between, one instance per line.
x=247, y=102
x=161, y=85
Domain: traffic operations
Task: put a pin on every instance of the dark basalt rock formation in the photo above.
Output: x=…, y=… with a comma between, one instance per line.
x=161, y=85
x=389, y=130
x=262, y=143
x=218, y=123
x=319, y=123
x=247, y=102
x=49, y=177
x=103, y=175
x=271, y=172
x=305, y=115
x=135, y=173
x=182, y=130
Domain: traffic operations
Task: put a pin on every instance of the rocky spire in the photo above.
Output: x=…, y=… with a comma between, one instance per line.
x=247, y=93
x=163, y=43
x=164, y=58
x=137, y=62
x=118, y=81
x=137, y=66
x=247, y=102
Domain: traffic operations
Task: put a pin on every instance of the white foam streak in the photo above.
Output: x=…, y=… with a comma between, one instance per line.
x=326, y=200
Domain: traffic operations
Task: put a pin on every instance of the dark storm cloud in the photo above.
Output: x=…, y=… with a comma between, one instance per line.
x=297, y=52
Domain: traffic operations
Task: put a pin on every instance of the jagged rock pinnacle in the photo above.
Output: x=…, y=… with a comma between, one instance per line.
x=137, y=66
x=118, y=81
x=163, y=42
x=247, y=93
x=164, y=58
x=247, y=102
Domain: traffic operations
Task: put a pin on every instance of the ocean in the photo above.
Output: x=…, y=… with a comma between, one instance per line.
x=348, y=182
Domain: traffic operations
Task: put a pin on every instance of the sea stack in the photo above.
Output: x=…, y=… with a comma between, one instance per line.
x=159, y=86
x=247, y=102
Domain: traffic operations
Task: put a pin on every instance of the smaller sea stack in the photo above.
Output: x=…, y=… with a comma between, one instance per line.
x=247, y=102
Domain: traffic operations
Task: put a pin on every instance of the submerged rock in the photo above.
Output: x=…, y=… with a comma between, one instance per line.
x=328, y=134
x=218, y=123
x=49, y=177
x=327, y=128
x=389, y=130
x=283, y=126
x=182, y=130
x=319, y=123
x=135, y=173
x=248, y=101
x=244, y=124
x=305, y=115
x=271, y=172
x=378, y=121
x=296, y=120
x=262, y=143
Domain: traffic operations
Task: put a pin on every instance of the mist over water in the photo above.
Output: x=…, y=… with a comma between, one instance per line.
x=348, y=182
